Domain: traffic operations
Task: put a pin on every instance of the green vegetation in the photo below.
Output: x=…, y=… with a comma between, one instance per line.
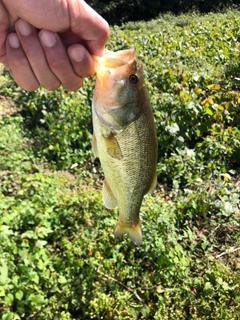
x=117, y=12
x=58, y=255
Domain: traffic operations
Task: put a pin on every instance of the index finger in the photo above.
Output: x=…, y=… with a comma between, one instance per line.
x=89, y=26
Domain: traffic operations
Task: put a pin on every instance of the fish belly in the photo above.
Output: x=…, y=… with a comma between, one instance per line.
x=130, y=172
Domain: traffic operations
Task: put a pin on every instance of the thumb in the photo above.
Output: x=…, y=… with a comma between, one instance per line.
x=89, y=26
x=4, y=26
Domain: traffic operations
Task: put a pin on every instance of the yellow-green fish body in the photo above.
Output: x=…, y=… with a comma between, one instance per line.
x=124, y=137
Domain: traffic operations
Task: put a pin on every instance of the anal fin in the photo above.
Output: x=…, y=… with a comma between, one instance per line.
x=154, y=183
x=109, y=200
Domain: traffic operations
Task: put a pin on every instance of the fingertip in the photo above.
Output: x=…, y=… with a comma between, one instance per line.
x=99, y=52
x=47, y=38
x=81, y=59
x=30, y=86
x=13, y=41
x=74, y=86
x=76, y=53
x=54, y=85
x=23, y=27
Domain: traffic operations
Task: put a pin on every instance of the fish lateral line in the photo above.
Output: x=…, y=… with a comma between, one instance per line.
x=124, y=137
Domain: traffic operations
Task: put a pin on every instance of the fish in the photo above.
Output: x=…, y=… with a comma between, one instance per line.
x=124, y=137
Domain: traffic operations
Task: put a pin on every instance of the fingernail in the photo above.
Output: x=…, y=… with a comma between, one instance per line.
x=24, y=28
x=48, y=38
x=76, y=54
x=13, y=41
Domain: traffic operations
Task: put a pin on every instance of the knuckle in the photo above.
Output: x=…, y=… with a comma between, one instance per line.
x=105, y=31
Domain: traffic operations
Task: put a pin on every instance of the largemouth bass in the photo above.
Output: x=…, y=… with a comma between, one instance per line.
x=124, y=137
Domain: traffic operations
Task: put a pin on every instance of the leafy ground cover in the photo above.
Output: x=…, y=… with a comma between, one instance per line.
x=58, y=255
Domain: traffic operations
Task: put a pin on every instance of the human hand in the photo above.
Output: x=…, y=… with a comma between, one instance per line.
x=60, y=53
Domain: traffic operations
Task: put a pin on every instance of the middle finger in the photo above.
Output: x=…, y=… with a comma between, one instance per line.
x=59, y=61
x=34, y=52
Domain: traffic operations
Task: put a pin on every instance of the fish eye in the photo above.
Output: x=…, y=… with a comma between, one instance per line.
x=133, y=79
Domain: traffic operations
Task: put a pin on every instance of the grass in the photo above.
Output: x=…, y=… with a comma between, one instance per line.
x=58, y=255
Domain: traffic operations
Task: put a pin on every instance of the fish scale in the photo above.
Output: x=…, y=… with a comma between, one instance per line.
x=124, y=138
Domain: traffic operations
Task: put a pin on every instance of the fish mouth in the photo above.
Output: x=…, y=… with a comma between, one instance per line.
x=116, y=64
x=113, y=60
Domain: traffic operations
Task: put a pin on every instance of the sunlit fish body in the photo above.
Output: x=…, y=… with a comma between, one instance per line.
x=124, y=137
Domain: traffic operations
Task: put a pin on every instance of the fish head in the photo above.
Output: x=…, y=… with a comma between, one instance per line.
x=120, y=88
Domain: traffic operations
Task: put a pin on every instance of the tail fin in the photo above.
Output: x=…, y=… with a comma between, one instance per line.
x=134, y=232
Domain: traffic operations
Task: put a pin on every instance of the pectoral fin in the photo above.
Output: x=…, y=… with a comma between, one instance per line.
x=113, y=148
x=109, y=200
x=94, y=145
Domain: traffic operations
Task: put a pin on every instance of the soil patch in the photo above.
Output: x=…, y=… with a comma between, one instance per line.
x=7, y=106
